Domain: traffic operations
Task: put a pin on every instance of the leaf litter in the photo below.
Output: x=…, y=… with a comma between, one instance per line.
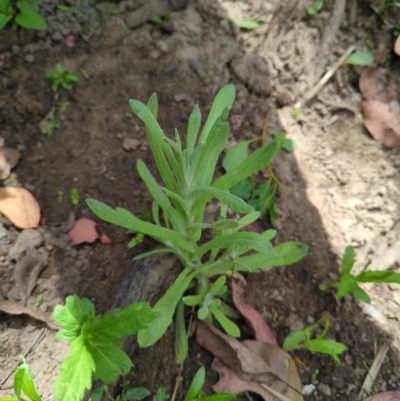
x=259, y=366
x=84, y=231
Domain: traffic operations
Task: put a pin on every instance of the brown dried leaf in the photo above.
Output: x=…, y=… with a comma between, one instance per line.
x=251, y=361
x=9, y=158
x=374, y=86
x=382, y=122
x=13, y=308
x=20, y=207
x=386, y=396
x=255, y=321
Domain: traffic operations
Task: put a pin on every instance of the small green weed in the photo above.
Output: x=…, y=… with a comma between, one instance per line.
x=348, y=283
x=49, y=125
x=127, y=393
x=246, y=24
x=263, y=196
x=316, y=8
x=74, y=196
x=95, y=350
x=161, y=20
x=302, y=339
x=187, y=170
x=360, y=59
x=26, y=17
x=61, y=77
x=71, y=10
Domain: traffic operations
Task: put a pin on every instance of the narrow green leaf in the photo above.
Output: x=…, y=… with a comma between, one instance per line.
x=224, y=224
x=181, y=338
x=152, y=105
x=161, y=394
x=255, y=162
x=347, y=260
x=208, y=158
x=247, y=24
x=360, y=58
x=222, y=101
x=196, y=384
x=219, y=397
x=294, y=339
x=236, y=155
x=23, y=381
x=206, y=193
x=330, y=347
x=217, y=285
x=251, y=240
x=165, y=308
x=156, y=138
x=155, y=252
x=361, y=295
x=30, y=19
x=193, y=128
x=134, y=394
x=192, y=300
x=124, y=218
x=269, y=234
x=230, y=327
x=4, y=19
x=385, y=276
x=248, y=219
x=76, y=373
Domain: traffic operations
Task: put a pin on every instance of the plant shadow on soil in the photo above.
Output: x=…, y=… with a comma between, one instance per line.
x=86, y=153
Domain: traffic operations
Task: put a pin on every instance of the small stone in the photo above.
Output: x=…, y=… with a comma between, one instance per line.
x=30, y=58
x=155, y=54
x=325, y=389
x=15, y=49
x=130, y=144
x=57, y=36
x=162, y=46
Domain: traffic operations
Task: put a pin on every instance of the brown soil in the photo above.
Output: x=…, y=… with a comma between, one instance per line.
x=347, y=185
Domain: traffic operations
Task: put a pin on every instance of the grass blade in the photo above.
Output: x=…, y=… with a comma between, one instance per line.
x=193, y=128
x=181, y=339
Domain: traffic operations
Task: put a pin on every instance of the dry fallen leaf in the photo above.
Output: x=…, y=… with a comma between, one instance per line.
x=20, y=207
x=382, y=122
x=397, y=46
x=255, y=321
x=386, y=396
x=13, y=308
x=70, y=41
x=374, y=86
x=9, y=158
x=104, y=239
x=251, y=361
x=83, y=231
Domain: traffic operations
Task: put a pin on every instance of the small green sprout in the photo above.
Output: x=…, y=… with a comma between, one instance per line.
x=74, y=196
x=316, y=8
x=349, y=283
x=27, y=16
x=302, y=339
x=161, y=20
x=315, y=374
x=247, y=24
x=61, y=77
x=49, y=125
x=360, y=58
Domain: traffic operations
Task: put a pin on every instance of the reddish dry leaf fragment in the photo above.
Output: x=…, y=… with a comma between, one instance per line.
x=104, y=239
x=382, y=122
x=255, y=321
x=20, y=207
x=83, y=231
x=9, y=158
x=13, y=308
x=386, y=396
x=374, y=86
x=70, y=41
x=258, y=363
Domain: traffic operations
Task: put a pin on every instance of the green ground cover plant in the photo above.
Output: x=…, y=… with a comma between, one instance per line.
x=61, y=77
x=348, y=283
x=26, y=16
x=187, y=168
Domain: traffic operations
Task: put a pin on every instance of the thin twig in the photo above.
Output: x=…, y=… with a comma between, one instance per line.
x=325, y=78
x=373, y=371
x=27, y=351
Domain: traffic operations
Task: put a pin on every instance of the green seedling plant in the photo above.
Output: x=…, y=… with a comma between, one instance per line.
x=262, y=197
x=360, y=59
x=127, y=393
x=49, y=125
x=61, y=77
x=26, y=17
x=303, y=339
x=23, y=384
x=95, y=350
x=72, y=10
x=162, y=20
x=316, y=8
x=74, y=196
x=187, y=170
x=348, y=283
